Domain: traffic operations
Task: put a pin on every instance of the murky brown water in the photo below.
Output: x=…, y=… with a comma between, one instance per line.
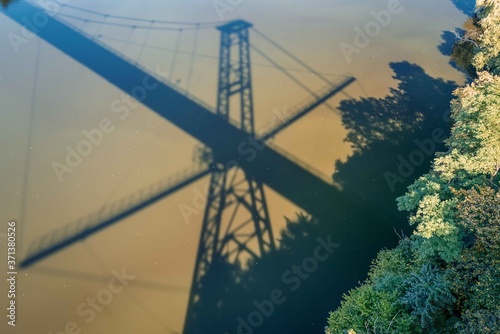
x=158, y=245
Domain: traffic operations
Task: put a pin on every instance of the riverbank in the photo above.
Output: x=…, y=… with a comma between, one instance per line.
x=445, y=277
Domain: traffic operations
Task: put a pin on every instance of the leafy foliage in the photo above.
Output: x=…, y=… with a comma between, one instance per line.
x=476, y=275
x=366, y=310
x=446, y=277
x=475, y=139
x=488, y=58
x=472, y=159
x=479, y=214
x=480, y=322
x=390, y=269
x=375, y=306
x=428, y=295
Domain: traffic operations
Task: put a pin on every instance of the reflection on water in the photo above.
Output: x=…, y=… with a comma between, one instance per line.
x=388, y=120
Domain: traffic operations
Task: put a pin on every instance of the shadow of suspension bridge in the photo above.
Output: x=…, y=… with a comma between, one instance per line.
x=236, y=182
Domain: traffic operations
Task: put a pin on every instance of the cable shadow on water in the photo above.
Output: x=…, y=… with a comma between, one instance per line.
x=382, y=132
x=88, y=277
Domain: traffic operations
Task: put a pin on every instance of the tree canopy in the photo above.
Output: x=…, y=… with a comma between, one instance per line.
x=445, y=278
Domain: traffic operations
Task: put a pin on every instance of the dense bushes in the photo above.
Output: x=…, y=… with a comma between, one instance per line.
x=375, y=307
x=445, y=278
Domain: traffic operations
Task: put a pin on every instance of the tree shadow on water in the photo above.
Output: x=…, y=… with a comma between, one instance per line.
x=459, y=46
x=465, y=6
x=292, y=289
x=394, y=138
x=448, y=44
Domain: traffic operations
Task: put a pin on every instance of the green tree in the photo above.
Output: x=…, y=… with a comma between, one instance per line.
x=488, y=58
x=428, y=296
x=375, y=306
x=476, y=274
x=472, y=159
x=480, y=322
x=368, y=311
x=446, y=277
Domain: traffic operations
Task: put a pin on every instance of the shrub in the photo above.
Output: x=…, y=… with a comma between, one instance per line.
x=365, y=311
x=428, y=295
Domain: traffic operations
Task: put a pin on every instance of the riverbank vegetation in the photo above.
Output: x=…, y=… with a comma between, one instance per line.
x=445, y=277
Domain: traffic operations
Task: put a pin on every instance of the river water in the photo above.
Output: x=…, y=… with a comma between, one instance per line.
x=375, y=138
